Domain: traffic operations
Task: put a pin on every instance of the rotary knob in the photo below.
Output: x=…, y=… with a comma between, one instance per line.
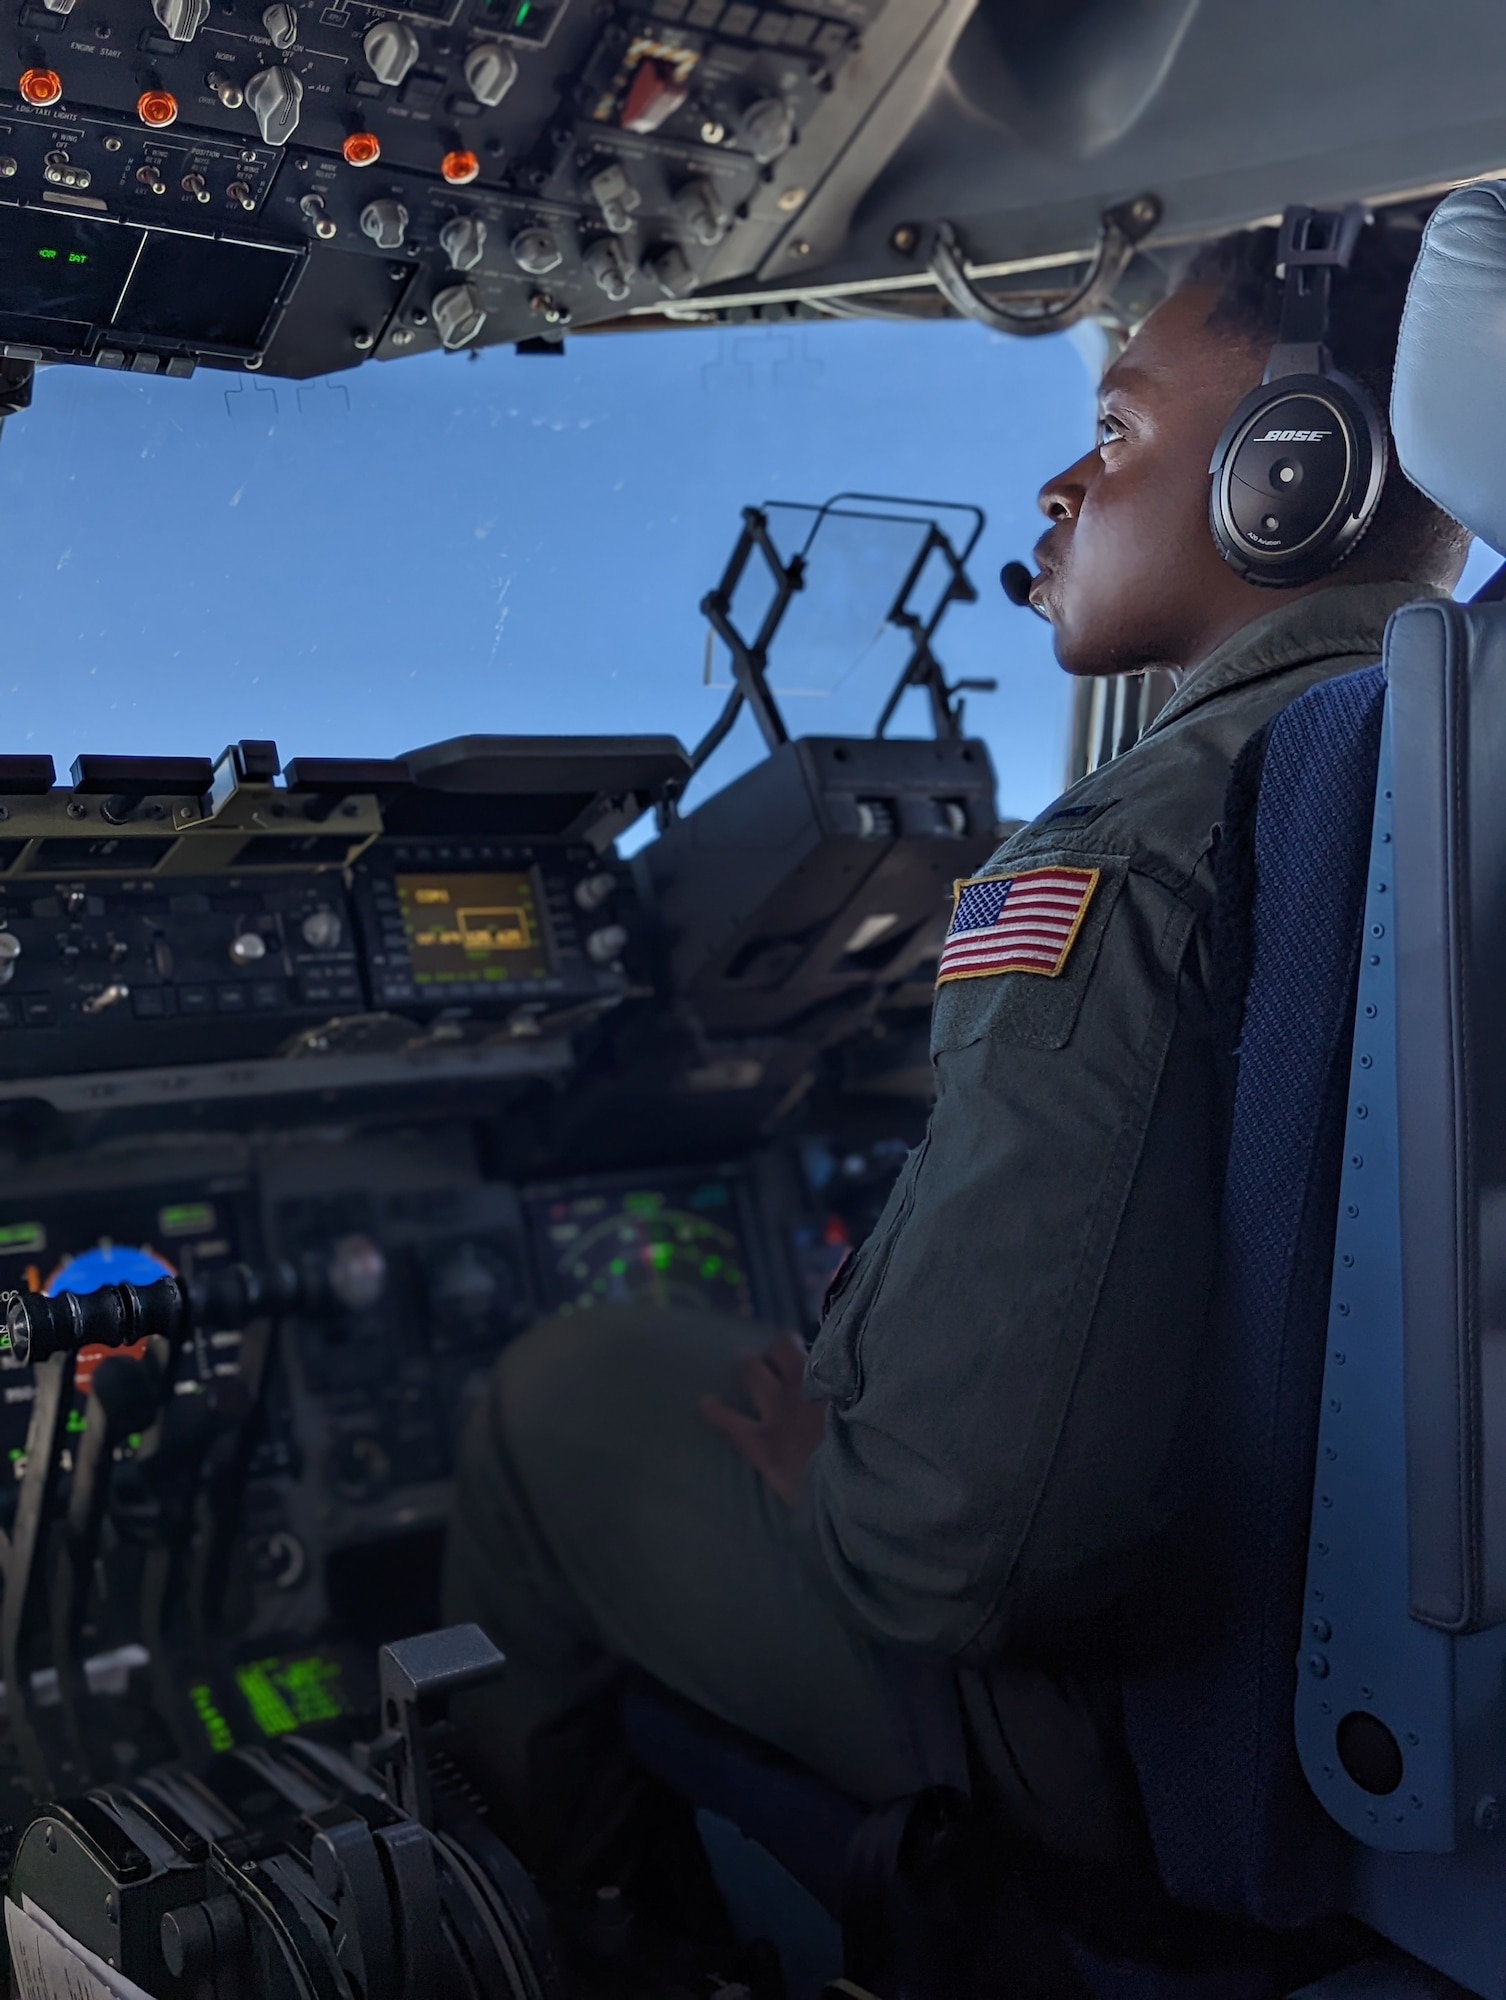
x=463, y=240
x=458, y=315
x=281, y=23
x=591, y=891
x=10, y=951
x=321, y=929
x=391, y=50
x=386, y=223
x=181, y=18
x=491, y=70
x=537, y=251
x=607, y=265
x=605, y=947
x=769, y=128
x=274, y=96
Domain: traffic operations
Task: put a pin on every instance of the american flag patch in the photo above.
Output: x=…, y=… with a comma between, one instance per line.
x=1016, y=923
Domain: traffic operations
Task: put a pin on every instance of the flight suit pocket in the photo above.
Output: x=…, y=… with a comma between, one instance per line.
x=1033, y=1008
x=834, y=1369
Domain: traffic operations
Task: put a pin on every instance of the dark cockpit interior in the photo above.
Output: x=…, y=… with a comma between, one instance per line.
x=324, y=1079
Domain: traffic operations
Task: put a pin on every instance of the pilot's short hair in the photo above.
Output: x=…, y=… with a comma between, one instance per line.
x=1411, y=538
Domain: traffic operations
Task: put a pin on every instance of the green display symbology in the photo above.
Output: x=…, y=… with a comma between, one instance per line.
x=217, y=1731
x=22, y=1239
x=288, y=1694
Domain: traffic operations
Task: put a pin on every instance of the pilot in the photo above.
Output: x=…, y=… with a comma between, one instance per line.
x=976, y=1465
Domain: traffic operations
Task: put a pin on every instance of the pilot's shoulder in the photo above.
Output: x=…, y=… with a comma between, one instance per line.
x=1158, y=805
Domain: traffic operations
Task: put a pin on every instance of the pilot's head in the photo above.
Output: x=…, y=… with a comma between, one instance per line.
x=1130, y=574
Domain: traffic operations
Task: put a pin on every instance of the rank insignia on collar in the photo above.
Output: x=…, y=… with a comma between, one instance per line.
x=1016, y=923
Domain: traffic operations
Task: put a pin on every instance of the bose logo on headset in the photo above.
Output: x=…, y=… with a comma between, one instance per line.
x=1292, y=437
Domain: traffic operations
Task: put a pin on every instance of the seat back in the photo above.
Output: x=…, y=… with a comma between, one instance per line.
x=1234, y=1825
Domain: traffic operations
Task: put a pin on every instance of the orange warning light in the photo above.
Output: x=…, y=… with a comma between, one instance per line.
x=361, y=149
x=458, y=168
x=41, y=86
x=156, y=107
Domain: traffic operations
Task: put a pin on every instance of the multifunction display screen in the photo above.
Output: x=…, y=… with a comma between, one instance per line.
x=461, y=928
x=624, y=1245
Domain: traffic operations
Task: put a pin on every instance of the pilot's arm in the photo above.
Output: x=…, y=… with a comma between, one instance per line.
x=1008, y=1357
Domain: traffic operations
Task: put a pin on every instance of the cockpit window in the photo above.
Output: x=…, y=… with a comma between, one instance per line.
x=360, y=564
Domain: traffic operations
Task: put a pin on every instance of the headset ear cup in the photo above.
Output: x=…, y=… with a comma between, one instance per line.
x=1296, y=478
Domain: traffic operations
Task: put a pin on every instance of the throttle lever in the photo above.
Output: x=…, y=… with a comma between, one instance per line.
x=37, y=1326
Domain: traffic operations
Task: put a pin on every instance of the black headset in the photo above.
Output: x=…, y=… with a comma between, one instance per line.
x=1298, y=472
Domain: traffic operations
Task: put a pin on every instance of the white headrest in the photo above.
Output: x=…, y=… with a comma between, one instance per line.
x=1448, y=402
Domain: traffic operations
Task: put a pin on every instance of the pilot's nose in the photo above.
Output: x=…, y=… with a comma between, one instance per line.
x=1060, y=499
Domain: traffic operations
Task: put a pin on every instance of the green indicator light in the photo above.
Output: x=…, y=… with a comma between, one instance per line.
x=524, y=10
x=710, y=1266
x=16, y=1454
x=187, y=1218
x=20, y=1238
x=661, y=1255
x=217, y=1730
x=75, y=1420
x=617, y=1266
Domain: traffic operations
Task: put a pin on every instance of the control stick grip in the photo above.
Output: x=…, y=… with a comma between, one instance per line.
x=114, y=1316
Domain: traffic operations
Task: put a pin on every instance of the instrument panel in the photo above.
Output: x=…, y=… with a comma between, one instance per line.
x=297, y=187
x=428, y=1269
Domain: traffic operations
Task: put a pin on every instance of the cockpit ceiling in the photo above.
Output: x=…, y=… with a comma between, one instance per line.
x=296, y=186
x=1047, y=112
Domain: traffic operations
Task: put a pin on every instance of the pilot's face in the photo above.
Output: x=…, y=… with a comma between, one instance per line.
x=1130, y=576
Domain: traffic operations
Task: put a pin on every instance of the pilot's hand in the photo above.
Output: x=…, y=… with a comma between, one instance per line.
x=780, y=1440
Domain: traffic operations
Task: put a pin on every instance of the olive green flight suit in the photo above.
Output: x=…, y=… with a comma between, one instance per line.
x=1006, y=1363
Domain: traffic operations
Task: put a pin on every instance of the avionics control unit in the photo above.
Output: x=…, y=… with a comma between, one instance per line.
x=166, y=913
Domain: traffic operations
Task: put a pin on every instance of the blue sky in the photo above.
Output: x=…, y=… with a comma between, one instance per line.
x=439, y=546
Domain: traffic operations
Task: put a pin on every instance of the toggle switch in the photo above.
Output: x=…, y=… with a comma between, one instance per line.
x=324, y=226
x=248, y=948
x=616, y=197
x=10, y=951
x=110, y=996
x=226, y=89
x=699, y=208
x=607, y=265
